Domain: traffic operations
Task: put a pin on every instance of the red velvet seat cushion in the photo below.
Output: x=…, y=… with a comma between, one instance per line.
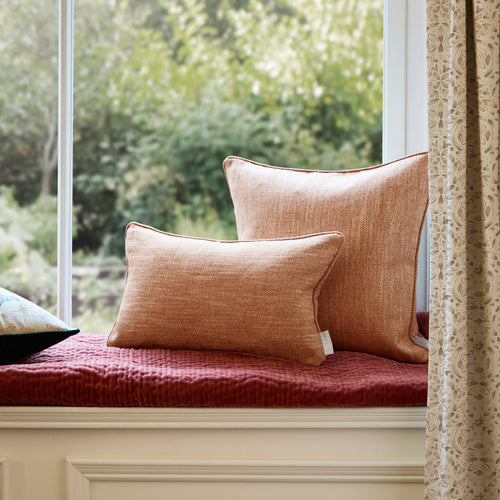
x=82, y=371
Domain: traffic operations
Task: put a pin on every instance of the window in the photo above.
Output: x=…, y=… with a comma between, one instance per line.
x=28, y=149
x=115, y=146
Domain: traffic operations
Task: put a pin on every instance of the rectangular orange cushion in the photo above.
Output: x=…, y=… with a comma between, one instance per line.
x=258, y=297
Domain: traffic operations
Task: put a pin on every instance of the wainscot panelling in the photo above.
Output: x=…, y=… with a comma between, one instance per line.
x=93, y=479
x=3, y=474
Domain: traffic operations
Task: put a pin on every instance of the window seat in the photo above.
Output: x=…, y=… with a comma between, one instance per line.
x=82, y=371
x=208, y=425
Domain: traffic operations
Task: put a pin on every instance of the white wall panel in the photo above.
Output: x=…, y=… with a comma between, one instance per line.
x=94, y=479
x=182, y=453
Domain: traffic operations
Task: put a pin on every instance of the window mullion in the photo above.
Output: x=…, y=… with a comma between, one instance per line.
x=65, y=160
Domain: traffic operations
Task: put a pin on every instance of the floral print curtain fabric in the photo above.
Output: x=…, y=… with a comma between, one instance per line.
x=463, y=427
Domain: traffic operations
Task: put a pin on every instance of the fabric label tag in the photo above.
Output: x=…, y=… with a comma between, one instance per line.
x=327, y=342
x=421, y=342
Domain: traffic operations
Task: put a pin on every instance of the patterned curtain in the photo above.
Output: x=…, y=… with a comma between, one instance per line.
x=463, y=426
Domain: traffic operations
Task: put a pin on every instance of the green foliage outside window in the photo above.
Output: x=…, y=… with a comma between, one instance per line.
x=164, y=90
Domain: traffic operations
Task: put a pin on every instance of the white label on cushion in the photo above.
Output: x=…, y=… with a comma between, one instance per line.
x=421, y=342
x=327, y=342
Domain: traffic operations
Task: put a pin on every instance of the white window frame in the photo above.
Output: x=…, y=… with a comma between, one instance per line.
x=404, y=122
x=405, y=101
x=65, y=161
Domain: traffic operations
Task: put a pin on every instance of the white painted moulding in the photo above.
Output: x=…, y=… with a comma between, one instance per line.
x=82, y=472
x=16, y=417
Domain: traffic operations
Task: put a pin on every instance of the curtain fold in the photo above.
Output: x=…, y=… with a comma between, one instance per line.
x=463, y=423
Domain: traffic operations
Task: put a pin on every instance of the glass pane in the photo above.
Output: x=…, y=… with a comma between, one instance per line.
x=166, y=89
x=28, y=149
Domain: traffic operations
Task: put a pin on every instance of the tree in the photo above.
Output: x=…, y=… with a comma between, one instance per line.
x=28, y=79
x=165, y=89
x=257, y=78
x=29, y=83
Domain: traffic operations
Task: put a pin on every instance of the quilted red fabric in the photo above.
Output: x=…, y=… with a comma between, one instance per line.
x=82, y=371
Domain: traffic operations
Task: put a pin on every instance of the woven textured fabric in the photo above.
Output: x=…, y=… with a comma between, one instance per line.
x=258, y=297
x=368, y=303
x=463, y=421
x=82, y=371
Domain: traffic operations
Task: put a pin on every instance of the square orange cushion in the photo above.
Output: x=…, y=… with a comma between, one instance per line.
x=368, y=304
x=258, y=297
